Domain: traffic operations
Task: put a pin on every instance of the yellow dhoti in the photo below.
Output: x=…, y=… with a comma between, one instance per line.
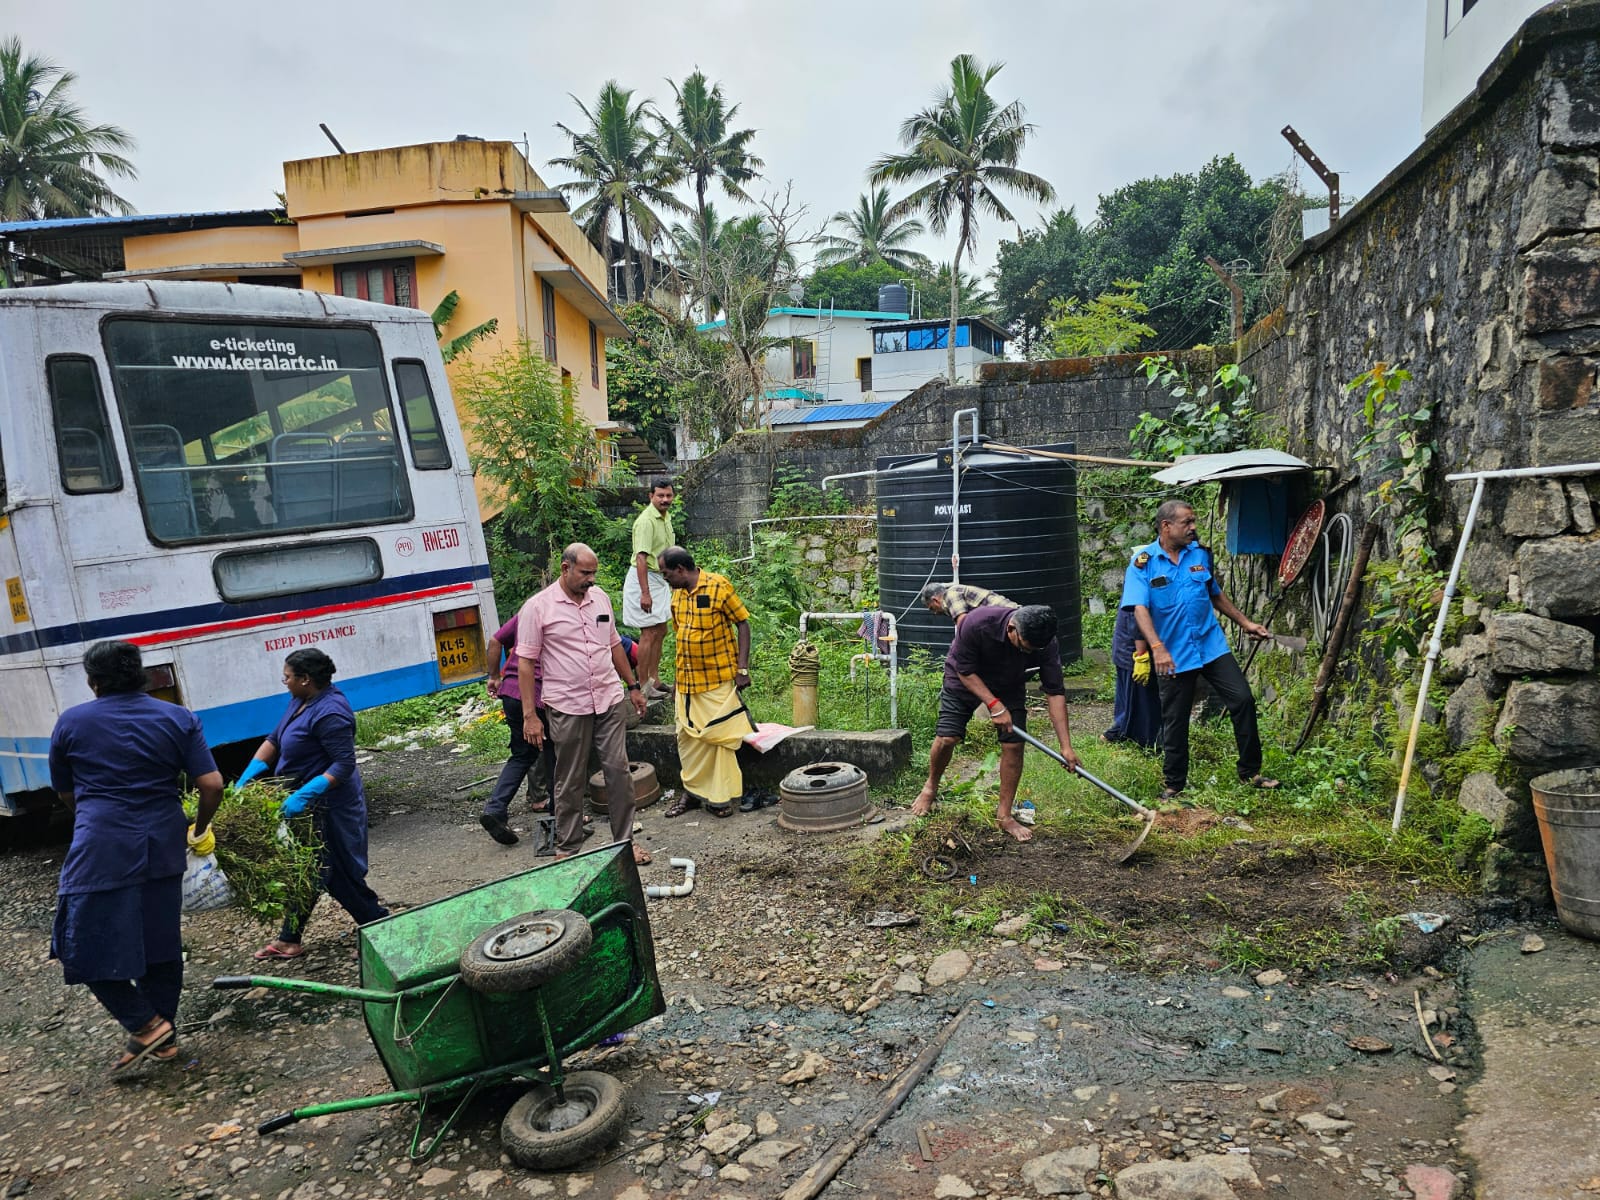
x=711, y=727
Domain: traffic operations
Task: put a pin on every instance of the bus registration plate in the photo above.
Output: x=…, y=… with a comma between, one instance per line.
x=460, y=653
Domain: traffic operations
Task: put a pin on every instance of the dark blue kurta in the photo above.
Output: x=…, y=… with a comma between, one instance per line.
x=1136, y=714
x=120, y=757
x=320, y=739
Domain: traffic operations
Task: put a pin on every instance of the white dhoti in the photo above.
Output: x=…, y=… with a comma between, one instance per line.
x=660, y=600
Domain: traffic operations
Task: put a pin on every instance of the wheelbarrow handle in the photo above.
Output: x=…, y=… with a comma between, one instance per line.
x=1080, y=770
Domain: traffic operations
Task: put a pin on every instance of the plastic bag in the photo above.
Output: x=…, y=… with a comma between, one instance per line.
x=205, y=887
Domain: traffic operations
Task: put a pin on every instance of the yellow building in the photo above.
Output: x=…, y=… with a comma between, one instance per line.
x=408, y=225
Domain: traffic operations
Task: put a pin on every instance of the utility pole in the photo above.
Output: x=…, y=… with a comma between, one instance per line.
x=1238, y=295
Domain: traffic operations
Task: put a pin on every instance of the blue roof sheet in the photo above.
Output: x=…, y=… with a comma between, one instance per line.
x=821, y=413
x=854, y=313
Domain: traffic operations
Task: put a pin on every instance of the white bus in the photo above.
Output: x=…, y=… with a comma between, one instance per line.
x=221, y=474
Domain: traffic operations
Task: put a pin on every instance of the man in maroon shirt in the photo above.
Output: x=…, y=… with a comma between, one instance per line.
x=987, y=667
x=504, y=686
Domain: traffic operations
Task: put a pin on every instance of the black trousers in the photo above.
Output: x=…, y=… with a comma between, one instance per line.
x=521, y=762
x=1232, y=692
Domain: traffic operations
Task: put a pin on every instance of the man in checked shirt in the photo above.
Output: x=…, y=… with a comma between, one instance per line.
x=711, y=667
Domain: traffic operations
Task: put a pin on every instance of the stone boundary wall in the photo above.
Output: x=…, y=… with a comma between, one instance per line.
x=1476, y=265
x=1090, y=401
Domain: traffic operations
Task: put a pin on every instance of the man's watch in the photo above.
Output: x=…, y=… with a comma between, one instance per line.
x=634, y=686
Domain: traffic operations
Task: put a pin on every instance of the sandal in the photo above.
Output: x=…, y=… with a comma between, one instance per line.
x=1260, y=781
x=162, y=1049
x=682, y=804
x=1170, y=793
x=273, y=950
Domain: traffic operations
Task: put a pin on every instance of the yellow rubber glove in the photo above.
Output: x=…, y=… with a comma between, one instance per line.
x=1141, y=669
x=205, y=844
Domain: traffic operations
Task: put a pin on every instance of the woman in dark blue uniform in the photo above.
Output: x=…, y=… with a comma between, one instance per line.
x=1136, y=713
x=314, y=749
x=115, y=762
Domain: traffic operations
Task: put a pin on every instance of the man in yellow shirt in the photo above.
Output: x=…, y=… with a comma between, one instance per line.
x=646, y=599
x=710, y=668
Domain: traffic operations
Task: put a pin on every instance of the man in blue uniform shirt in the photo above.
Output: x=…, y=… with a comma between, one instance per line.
x=1175, y=600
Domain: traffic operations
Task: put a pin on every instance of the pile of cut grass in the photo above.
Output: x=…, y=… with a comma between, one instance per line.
x=271, y=864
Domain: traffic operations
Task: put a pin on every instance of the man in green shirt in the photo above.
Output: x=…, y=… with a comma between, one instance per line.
x=646, y=599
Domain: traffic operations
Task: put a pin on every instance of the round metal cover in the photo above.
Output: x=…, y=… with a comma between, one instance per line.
x=530, y=937
x=1302, y=541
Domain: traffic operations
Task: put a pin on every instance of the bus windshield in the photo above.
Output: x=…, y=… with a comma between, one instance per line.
x=237, y=430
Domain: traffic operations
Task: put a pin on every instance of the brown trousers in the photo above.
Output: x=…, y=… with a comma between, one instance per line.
x=574, y=735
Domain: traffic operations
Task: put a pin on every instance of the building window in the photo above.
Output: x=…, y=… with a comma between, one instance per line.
x=382, y=282
x=547, y=301
x=864, y=373
x=594, y=355
x=889, y=341
x=803, y=358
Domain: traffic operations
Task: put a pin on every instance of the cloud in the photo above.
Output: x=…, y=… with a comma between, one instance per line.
x=1117, y=91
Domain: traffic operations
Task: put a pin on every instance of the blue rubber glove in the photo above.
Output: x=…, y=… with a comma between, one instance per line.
x=297, y=802
x=254, y=767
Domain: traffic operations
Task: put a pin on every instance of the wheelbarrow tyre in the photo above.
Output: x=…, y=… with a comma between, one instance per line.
x=531, y=1145
x=487, y=966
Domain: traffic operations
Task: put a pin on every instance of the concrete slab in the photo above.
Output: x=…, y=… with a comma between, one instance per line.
x=1533, y=1118
x=881, y=753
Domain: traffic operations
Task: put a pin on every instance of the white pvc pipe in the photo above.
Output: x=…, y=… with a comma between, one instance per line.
x=827, y=479
x=1435, y=645
x=663, y=891
x=893, y=656
x=1592, y=468
x=955, y=487
x=751, y=557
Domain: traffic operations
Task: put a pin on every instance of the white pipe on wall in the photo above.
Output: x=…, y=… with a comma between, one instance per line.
x=1435, y=646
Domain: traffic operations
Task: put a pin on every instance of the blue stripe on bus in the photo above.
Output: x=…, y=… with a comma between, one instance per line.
x=252, y=720
x=205, y=614
x=23, y=764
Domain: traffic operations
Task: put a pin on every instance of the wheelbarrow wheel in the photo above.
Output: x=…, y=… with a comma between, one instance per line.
x=520, y=954
x=541, y=1133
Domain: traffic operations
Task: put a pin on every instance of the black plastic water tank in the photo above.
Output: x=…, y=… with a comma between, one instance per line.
x=1019, y=537
x=893, y=298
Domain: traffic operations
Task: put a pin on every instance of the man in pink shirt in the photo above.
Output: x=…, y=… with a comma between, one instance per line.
x=569, y=634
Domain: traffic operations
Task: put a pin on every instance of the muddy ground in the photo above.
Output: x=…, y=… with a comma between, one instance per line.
x=1113, y=1035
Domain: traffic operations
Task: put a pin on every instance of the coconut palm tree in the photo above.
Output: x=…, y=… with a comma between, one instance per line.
x=623, y=173
x=706, y=148
x=51, y=157
x=961, y=149
x=870, y=234
x=694, y=249
x=972, y=298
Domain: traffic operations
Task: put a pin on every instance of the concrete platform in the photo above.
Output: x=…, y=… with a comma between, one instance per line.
x=880, y=753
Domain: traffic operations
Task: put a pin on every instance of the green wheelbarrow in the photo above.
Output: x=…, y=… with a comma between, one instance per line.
x=501, y=982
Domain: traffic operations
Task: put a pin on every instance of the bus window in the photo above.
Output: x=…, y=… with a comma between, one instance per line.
x=428, y=450
x=239, y=430
x=83, y=440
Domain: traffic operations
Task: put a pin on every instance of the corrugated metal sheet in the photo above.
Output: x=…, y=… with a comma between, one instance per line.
x=80, y=223
x=823, y=413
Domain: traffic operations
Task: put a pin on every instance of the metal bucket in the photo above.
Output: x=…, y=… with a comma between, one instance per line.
x=823, y=797
x=1567, y=804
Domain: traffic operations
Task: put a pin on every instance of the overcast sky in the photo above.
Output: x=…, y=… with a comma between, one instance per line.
x=218, y=95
